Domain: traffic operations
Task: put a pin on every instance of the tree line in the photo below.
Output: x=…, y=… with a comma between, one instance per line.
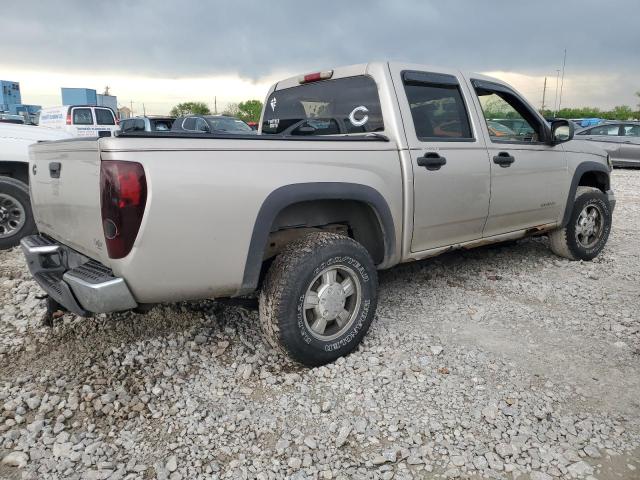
x=248, y=111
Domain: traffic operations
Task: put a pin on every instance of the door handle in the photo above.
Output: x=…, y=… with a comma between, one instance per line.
x=504, y=159
x=432, y=161
x=54, y=169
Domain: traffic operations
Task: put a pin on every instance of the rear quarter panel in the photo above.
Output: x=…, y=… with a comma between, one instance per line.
x=205, y=194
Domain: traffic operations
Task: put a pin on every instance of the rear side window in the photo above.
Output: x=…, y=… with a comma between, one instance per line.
x=189, y=123
x=82, y=116
x=437, y=107
x=631, y=130
x=104, y=117
x=328, y=107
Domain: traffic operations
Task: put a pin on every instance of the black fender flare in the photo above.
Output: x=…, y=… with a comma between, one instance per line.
x=287, y=195
x=580, y=170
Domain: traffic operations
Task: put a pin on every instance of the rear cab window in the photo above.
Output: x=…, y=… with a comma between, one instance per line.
x=104, y=117
x=82, y=116
x=349, y=105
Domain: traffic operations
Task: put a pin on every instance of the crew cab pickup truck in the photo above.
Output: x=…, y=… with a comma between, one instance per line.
x=355, y=169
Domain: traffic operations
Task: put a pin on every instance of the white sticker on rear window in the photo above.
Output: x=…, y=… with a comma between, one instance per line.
x=273, y=104
x=358, y=122
x=274, y=122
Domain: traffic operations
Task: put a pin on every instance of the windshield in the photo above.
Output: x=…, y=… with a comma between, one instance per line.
x=222, y=124
x=329, y=107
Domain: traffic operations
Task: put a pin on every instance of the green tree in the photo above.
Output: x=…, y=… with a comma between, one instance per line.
x=250, y=110
x=190, y=108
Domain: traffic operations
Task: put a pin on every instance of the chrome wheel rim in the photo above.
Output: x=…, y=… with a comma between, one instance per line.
x=589, y=226
x=331, y=302
x=12, y=216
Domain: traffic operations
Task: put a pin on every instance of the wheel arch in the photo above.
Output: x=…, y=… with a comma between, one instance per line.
x=288, y=200
x=586, y=174
x=17, y=170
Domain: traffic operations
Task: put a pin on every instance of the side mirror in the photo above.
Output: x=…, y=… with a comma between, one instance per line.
x=561, y=131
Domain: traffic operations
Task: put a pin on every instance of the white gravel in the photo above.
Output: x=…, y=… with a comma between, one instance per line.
x=504, y=362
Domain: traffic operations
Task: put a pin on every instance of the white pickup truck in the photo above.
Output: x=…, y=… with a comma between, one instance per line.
x=355, y=169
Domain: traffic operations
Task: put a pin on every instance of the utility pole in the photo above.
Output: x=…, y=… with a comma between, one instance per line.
x=144, y=110
x=544, y=94
x=564, y=61
x=555, y=101
x=131, y=106
x=215, y=105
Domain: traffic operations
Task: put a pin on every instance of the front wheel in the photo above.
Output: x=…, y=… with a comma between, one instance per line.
x=588, y=229
x=16, y=219
x=319, y=298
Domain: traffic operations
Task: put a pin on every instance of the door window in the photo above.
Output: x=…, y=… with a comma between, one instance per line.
x=508, y=118
x=437, y=107
x=82, y=116
x=631, y=130
x=201, y=126
x=608, y=130
x=104, y=117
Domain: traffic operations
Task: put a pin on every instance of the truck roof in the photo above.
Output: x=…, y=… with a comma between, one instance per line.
x=364, y=68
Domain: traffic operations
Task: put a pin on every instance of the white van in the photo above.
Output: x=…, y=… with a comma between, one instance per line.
x=80, y=120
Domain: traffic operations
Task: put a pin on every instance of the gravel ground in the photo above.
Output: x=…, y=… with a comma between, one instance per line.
x=503, y=362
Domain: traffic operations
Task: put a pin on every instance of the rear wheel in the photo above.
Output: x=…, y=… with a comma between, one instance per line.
x=588, y=229
x=16, y=219
x=319, y=298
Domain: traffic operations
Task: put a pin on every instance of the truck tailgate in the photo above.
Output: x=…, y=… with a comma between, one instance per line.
x=65, y=194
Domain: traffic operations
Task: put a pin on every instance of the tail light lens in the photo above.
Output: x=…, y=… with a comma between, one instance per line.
x=123, y=196
x=68, y=119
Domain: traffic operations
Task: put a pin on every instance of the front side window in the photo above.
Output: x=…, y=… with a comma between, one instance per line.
x=437, y=107
x=201, y=126
x=82, y=116
x=631, y=130
x=327, y=107
x=507, y=118
x=104, y=117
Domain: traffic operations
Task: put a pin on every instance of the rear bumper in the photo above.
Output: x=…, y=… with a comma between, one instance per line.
x=78, y=283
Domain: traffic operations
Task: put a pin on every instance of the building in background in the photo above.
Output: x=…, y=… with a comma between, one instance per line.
x=11, y=101
x=88, y=96
x=79, y=96
x=124, y=112
x=9, y=94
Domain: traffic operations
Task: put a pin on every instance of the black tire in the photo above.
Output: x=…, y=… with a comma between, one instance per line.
x=18, y=191
x=285, y=321
x=564, y=242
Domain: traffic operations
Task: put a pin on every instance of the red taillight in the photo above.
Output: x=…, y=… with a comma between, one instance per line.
x=68, y=119
x=314, y=77
x=117, y=120
x=123, y=196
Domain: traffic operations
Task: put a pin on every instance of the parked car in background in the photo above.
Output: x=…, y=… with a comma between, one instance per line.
x=621, y=140
x=80, y=120
x=497, y=129
x=16, y=219
x=150, y=217
x=211, y=124
x=517, y=125
x=10, y=118
x=146, y=124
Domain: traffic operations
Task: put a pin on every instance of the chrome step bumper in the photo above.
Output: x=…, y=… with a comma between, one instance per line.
x=80, y=284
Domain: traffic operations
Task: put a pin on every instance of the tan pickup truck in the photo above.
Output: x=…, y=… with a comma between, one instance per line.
x=355, y=169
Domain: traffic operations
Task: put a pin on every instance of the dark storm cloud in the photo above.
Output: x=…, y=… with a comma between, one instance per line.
x=254, y=39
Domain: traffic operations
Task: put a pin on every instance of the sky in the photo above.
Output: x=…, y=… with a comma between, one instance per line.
x=159, y=53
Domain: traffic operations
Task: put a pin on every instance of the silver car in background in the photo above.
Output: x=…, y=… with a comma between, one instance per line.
x=621, y=140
